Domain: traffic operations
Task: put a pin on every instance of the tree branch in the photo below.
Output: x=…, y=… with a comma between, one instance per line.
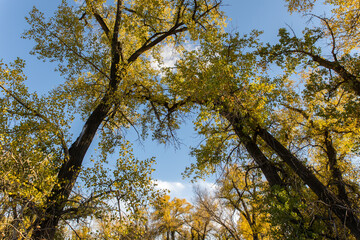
x=43, y=117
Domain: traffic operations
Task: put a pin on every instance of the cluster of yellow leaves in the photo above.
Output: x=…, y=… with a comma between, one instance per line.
x=32, y=145
x=343, y=21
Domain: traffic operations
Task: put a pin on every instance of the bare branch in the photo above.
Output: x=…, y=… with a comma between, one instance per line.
x=333, y=43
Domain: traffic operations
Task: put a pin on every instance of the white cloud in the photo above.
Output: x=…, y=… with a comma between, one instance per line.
x=170, y=55
x=207, y=185
x=173, y=187
x=184, y=189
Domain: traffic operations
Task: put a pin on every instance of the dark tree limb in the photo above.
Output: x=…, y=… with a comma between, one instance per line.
x=338, y=207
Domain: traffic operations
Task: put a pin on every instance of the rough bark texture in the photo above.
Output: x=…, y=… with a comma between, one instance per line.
x=336, y=174
x=269, y=170
x=46, y=222
x=45, y=225
x=339, y=208
x=351, y=80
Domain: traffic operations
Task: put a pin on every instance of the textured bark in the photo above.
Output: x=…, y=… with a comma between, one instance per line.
x=339, y=208
x=268, y=169
x=46, y=223
x=336, y=174
x=350, y=79
x=46, y=226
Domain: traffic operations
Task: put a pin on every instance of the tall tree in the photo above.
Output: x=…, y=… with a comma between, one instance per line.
x=103, y=50
x=238, y=102
x=169, y=216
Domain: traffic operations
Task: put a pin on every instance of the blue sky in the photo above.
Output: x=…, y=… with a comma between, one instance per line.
x=266, y=15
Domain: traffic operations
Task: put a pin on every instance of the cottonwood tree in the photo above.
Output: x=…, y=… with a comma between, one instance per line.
x=103, y=51
x=199, y=223
x=239, y=103
x=241, y=190
x=330, y=99
x=344, y=19
x=236, y=208
x=169, y=217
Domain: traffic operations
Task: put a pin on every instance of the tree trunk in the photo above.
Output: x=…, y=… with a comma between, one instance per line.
x=336, y=174
x=339, y=208
x=46, y=222
x=268, y=169
x=45, y=225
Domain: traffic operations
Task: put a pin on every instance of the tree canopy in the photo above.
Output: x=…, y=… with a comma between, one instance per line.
x=285, y=145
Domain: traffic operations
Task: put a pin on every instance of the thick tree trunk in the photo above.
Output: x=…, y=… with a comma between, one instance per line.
x=336, y=174
x=268, y=169
x=46, y=222
x=339, y=208
x=45, y=226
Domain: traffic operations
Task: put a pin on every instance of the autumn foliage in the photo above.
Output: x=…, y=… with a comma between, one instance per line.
x=284, y=146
